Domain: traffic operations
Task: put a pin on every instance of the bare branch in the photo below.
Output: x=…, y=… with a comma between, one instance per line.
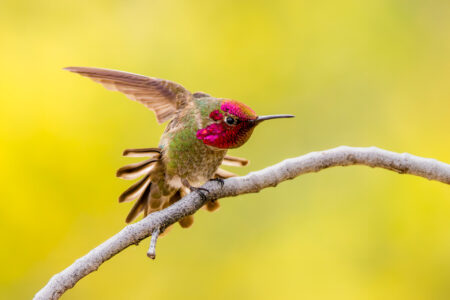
x=152, y=249
x=251, y=183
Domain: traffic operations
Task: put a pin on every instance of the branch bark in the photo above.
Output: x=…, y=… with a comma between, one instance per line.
x=252, y=183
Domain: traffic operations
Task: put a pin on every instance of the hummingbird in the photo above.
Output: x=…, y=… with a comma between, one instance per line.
x=193, y=146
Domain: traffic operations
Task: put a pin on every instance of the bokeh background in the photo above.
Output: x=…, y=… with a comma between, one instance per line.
x=357, y=73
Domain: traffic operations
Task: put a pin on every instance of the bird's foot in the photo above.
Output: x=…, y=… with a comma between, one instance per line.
x=219, y=180
x=200, y=191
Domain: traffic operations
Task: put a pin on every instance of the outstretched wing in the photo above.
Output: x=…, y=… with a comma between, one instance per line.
x=162, y=96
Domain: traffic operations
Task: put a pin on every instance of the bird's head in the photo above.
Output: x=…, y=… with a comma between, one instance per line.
x=231, y=125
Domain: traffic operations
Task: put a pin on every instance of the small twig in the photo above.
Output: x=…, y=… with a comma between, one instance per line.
x=252, y=183
x=152, y=249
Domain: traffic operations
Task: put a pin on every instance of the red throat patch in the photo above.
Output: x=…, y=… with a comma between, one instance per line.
x=223, y=135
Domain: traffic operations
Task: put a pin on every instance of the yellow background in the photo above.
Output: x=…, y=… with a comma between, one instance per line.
x=357, y=73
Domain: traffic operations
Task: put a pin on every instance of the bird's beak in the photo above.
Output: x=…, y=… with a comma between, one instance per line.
x=263, y=118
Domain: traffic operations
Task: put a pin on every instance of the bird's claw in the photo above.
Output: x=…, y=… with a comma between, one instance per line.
x=219, y=180
x=200, y=192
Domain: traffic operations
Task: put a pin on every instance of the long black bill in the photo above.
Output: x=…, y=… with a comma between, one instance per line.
x=263, y=118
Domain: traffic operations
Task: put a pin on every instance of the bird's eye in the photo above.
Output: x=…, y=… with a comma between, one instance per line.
x=230, y=120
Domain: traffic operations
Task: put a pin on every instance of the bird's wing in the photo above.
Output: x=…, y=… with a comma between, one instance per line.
x=162, y=96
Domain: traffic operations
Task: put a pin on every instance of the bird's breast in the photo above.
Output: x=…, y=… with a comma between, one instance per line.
x=185, y=156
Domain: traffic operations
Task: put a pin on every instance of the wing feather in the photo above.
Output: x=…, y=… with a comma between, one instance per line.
x=162, y=96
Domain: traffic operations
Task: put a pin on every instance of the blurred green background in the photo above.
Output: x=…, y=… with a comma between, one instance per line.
x=358, y=73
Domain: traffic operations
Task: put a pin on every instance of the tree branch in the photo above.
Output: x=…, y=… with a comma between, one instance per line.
x=152, y=249
x=251, y=183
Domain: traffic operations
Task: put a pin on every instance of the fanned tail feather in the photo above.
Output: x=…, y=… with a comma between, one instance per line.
x=136, y=170
x=234, y=161
x=135, y=190
x=140, y=204
x=144, y=152
x=223, y=174
x=147, y=194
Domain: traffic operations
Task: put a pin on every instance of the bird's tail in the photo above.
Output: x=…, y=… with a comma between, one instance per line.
x=146, y=191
